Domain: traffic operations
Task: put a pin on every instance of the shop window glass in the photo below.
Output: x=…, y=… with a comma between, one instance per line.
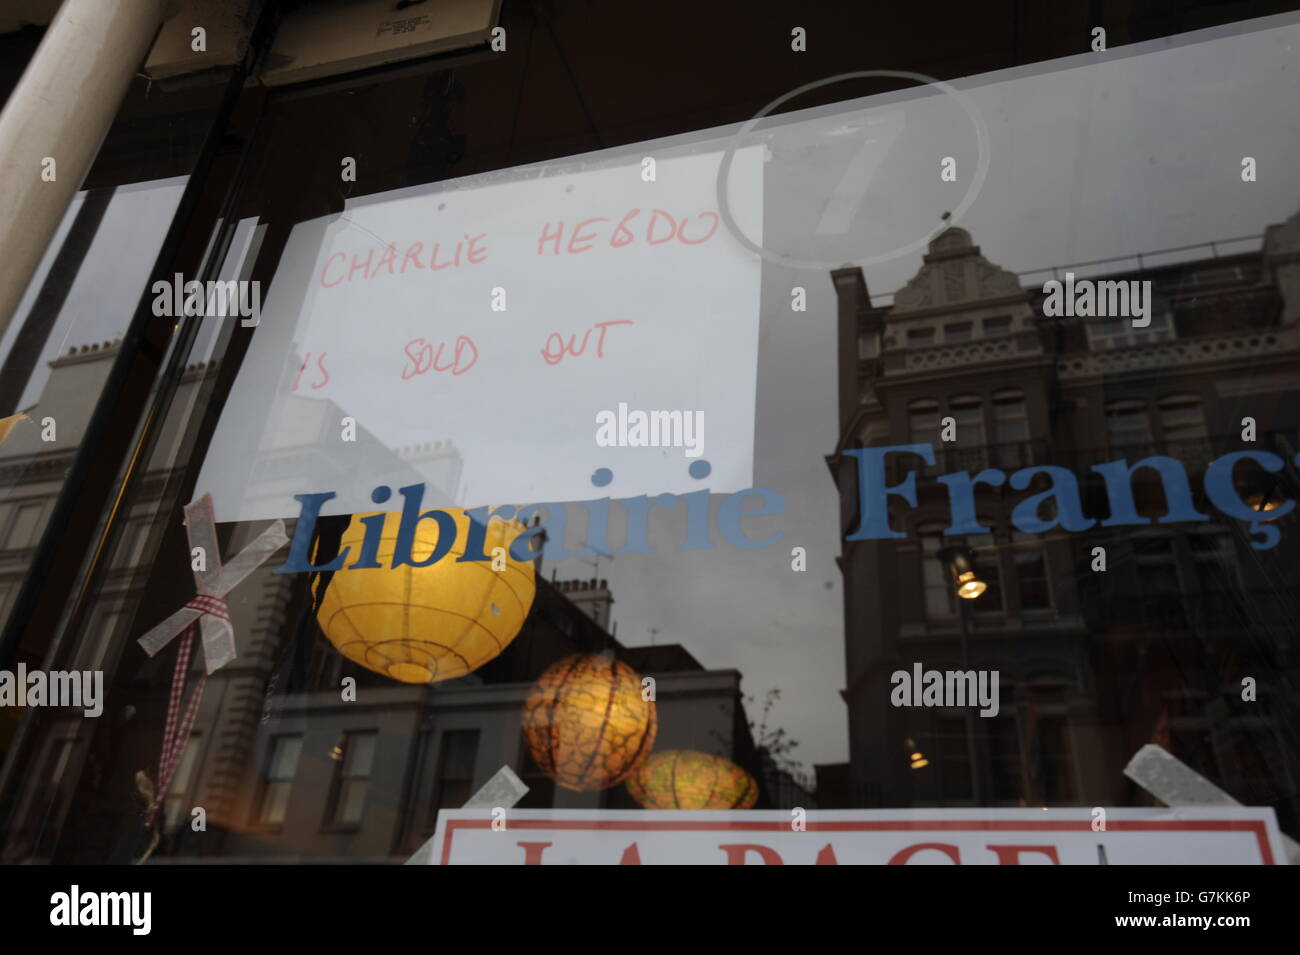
x=488, y=315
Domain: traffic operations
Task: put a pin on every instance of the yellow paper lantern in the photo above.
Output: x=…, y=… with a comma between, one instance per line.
x=426, y=624
x=586, y=724
x=686, y=779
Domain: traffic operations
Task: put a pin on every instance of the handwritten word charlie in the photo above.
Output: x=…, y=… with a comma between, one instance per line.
x=467, y=251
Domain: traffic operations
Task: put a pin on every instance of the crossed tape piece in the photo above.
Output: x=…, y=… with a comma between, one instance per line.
x=209, y=606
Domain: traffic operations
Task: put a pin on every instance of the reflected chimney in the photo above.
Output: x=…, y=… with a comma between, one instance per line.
x=592, y=597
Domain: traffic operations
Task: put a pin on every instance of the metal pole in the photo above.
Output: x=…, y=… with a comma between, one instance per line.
x=972, y=751
x=60, y=111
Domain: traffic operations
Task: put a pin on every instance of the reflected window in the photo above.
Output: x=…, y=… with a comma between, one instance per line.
x=968, y=412
x=1128, y=425
x=24, y=526
x=1159, y=604
x=456, y=758
x=923, y=420
x=1216, y=578
x=1030, y=561
x=994, y=327
x=958, y=331
x=1181, y=419
x=935, y=579
x=970, y=451
x=1115, y=332
x=920, y=337
x=541, y=787
x=1010, y=429
x=352, y=778
x=282, y=765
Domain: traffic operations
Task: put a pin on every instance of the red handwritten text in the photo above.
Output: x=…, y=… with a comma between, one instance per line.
x=556, y=348
x=320, y=363
x=423, y=358
x=655, y=227
x=467, y=251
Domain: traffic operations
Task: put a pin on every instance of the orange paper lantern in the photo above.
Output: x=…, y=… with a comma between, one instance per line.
x=586, y=724
x=685, y=779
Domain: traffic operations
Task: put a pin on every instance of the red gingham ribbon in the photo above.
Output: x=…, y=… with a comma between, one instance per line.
x=207, y=603
x=176, y=731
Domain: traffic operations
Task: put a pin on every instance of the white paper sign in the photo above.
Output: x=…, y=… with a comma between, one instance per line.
x=475, y=333
x=1200, y=836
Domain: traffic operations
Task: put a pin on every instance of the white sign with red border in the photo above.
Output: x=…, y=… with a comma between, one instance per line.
x=1191, y=836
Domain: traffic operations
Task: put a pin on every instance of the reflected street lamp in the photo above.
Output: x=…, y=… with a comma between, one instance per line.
x=968, y=586
x=962, y=570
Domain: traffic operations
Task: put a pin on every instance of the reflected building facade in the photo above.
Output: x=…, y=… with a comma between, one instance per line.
x=1093, y=664
x=282, y=766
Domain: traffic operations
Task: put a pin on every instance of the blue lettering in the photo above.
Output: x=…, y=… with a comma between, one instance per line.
x=411, y=518
x=729, y=515
x=1064, y=492
x=1118, y=476
x=479, y=519
x=552, y=527
x=299, y=561
x=873, y=494
x=961, y=495
x=1221, y=491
